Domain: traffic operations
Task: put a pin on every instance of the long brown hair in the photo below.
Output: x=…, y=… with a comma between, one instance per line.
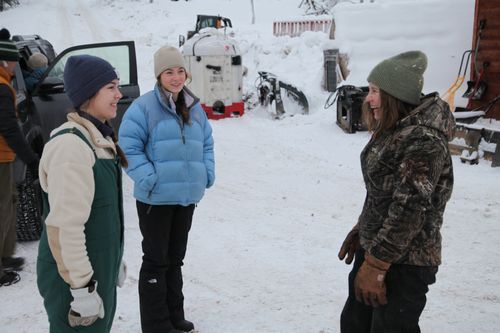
x=393, y=110
x=119, y=151
x=181, y=108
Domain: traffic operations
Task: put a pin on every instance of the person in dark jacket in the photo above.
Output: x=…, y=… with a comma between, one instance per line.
x=408, y=175
x=168, y=141
x=12, y=142
x=79, y=260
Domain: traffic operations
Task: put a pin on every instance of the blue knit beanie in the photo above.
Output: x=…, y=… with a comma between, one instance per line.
x=85, y=75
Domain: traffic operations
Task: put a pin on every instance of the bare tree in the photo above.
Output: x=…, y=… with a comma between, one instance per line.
x=11, y=3
x=314, y=7
x=319, y=7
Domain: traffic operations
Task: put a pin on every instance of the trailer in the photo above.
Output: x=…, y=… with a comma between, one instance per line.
x=214, y=60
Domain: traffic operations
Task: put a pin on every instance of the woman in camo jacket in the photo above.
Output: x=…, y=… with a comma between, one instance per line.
x=408, y=174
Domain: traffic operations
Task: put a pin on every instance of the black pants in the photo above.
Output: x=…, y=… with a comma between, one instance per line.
x=165, y=234
x=8, y=199
x=406, y=289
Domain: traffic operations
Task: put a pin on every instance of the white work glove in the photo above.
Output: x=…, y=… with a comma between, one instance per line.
x=122, y=274
x=86, y=306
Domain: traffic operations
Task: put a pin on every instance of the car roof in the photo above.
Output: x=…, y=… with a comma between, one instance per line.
x=29, y=44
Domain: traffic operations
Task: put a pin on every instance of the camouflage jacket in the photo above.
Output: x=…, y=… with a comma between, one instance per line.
x=408, y=175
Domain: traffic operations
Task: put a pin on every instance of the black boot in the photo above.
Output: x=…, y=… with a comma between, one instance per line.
x=183, y=325
x=8, y=278
x=13, y=263
x=173, y=330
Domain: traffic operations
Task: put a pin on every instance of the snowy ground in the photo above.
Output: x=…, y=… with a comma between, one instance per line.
x=262, y=255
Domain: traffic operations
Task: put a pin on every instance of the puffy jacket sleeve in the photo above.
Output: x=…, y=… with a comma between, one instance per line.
x=67, y=176
x=133, y=139
x=422, y=158
x=208, y=151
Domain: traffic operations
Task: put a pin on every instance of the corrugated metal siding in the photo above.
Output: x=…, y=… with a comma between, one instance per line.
x=489, y=51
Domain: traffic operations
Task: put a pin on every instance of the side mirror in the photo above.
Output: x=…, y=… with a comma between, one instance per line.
x=51, y=85
x=182, y=40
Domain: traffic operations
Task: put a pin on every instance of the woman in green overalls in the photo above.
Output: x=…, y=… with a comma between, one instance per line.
x=80, y=253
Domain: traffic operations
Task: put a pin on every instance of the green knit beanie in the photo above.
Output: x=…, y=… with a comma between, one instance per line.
x=8, y=50
x=401, y=76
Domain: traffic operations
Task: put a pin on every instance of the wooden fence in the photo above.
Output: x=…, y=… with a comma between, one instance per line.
x=296, y=28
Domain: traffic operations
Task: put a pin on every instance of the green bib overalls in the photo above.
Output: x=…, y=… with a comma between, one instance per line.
x=104, y=242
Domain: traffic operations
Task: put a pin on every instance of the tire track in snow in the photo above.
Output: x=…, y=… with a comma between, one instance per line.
x=87, y=17
x=65, y=22
x=98, y=33
x=90, y=27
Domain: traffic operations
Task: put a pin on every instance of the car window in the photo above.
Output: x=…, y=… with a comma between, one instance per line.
x=118, y=56
x=207, y=23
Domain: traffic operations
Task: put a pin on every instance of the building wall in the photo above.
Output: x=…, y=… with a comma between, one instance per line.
x=488, y=51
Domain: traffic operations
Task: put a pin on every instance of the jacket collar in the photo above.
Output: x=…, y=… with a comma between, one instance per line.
x=433, y=112
x=104, y=128
x=95, y=135
x=165, y=98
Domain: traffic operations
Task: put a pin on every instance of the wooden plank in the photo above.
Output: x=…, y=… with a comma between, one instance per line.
x=489, y=50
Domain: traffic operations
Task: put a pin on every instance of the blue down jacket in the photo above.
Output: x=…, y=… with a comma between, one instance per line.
x=171, y=163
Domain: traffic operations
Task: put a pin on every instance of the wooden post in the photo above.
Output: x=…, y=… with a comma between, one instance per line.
x=253, y=12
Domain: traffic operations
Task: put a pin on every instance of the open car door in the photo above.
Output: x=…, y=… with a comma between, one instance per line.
x=48, y=101
x=46, y=107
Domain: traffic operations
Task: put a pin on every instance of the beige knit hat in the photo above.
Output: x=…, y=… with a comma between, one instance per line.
x=401, y=76
x=37, y=60
x=167, y=57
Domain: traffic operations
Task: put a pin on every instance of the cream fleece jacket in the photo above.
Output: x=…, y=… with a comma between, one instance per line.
x=66, y=175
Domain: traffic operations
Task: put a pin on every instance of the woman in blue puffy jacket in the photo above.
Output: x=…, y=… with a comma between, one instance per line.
x=168, y=141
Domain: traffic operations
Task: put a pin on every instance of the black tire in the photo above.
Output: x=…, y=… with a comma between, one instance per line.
x=29, y=209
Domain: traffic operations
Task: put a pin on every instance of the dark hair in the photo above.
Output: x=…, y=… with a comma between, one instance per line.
x=181, y=108
x=119, y=151
x=393, y=110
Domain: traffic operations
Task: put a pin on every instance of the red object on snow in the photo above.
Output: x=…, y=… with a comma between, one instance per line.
x=227, y=111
